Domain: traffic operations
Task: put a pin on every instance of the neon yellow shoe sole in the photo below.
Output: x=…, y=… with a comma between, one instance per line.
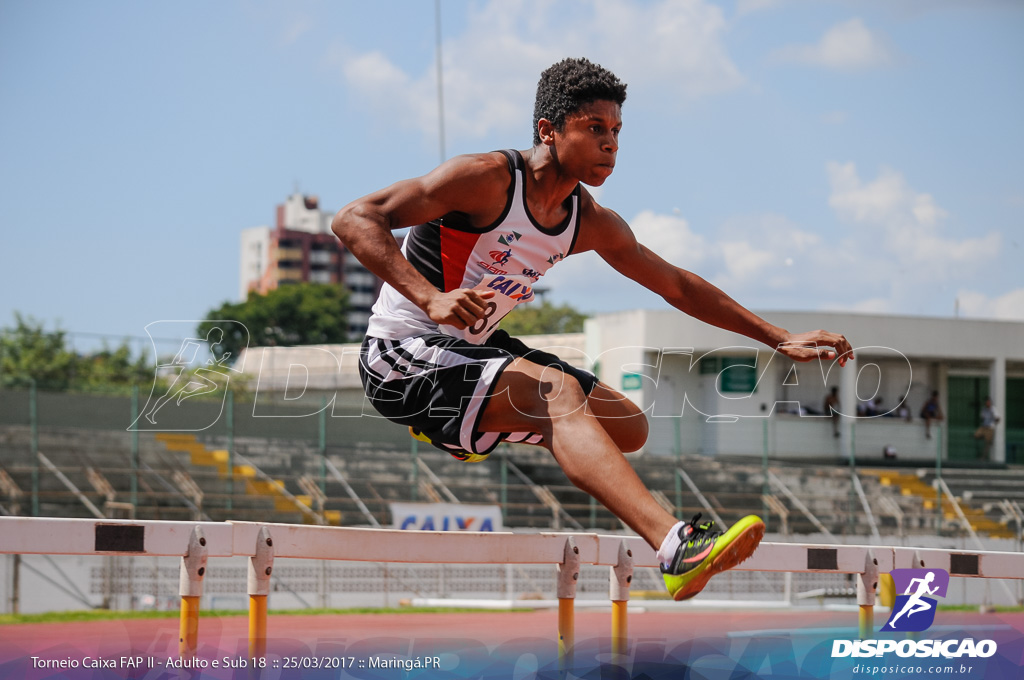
x=464, y=456
x=731, y=548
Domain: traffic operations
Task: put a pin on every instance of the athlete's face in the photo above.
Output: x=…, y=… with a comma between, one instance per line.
x=587, y=146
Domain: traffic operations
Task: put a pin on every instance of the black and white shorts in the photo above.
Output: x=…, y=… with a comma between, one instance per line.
x=440, y=385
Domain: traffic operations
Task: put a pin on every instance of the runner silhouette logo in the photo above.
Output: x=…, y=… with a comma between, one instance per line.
x=914, y=610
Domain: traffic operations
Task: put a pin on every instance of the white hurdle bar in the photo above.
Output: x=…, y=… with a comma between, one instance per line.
x=194, y=542
x=262, y=543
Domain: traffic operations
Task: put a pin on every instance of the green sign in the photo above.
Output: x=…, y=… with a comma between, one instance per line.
x=632, y=381
x=738, y=375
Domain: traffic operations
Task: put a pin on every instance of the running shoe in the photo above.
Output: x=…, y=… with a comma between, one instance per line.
x=706, y=551
x=457, y=453
x=470, y=457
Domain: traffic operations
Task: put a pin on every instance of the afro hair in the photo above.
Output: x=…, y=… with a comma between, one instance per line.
x=567, y=86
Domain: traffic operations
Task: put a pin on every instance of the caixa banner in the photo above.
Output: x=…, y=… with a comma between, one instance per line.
x=446, y=517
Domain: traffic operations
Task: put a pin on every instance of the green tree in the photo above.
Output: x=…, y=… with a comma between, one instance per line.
x=112, y=369
x=543, y=318
x=293, y=314
x=28, y=353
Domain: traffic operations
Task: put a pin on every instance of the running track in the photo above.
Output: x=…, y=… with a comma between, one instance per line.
x=420, y=634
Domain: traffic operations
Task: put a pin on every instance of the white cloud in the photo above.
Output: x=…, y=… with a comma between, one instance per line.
x=296, y=27
x=674, y=45
x=925, y=210
x=744, y=261
x=906, y=259
x=671, y=237
x=901, y=9
x=889, y=256
x=849, y=46
x=766, y=255
x=886, y=199
x=491, y=69
x=586, y=277
x=1009, y=307
x=382, y=86
x=759, y=258
x=905, y=224
x=744, y=7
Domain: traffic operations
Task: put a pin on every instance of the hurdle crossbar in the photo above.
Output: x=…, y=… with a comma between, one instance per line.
x=262, y=543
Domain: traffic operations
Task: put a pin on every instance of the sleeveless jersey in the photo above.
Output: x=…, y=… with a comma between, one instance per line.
x=507, y=257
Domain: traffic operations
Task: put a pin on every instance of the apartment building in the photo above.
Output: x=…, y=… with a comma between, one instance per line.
x=300, y=247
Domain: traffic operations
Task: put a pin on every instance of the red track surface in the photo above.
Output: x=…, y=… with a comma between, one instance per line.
x=230, y=634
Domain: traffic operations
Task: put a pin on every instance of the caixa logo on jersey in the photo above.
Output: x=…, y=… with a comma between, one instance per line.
x=913, y=612
x=511, y=288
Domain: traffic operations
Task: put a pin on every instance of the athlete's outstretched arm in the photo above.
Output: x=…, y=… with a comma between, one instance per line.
x=467, y=184
x=610, y=236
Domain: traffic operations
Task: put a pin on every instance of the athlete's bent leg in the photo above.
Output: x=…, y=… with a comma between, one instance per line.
x=534, y=398
x=623, y=420
x=537, y=399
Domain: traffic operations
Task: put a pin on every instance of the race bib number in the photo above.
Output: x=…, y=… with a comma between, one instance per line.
x=509, y=292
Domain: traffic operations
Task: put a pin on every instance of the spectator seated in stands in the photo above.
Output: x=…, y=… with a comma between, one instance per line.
x=903, y=410
x=931, y=411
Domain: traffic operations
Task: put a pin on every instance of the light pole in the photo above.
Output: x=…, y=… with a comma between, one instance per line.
x=440, y=78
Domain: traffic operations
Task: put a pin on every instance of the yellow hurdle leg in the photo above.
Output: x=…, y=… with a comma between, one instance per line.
x=257, y=626
x=866, y=619
x=867, y=583
x=190, y=589
x=188, y=627
x=618, y=592
x=261, y=566
x=620, y=633
x=886, y=590
x=566, y=631
x=568, y=574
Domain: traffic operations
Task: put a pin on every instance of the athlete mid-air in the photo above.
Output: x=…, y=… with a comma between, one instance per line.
x=485, y=228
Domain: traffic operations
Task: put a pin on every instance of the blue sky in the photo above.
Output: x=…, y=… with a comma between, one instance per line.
x=806, y=155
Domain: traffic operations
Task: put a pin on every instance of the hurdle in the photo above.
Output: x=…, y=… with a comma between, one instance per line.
x=263, y=543
x=193, y=542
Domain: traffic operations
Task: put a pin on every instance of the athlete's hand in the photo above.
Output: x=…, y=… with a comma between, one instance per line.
x=816, y=345
x=460, y=308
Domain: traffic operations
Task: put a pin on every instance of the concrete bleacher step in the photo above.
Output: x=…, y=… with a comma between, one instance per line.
x=986, y=488
x=734, y=488
x=218, y=460
x=920, y=485
x=383, y=475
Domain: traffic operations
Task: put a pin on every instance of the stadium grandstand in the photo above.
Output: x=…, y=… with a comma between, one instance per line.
x=287, y=437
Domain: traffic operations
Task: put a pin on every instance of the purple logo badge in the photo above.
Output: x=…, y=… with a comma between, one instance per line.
x=914, y=610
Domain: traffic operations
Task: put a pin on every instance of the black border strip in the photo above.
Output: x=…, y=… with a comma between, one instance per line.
x=130, y=538
x=823, y=558
x=964, y=564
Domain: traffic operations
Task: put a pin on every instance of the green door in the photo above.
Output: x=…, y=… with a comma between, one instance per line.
x=1014, y=419
x=966, y=397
